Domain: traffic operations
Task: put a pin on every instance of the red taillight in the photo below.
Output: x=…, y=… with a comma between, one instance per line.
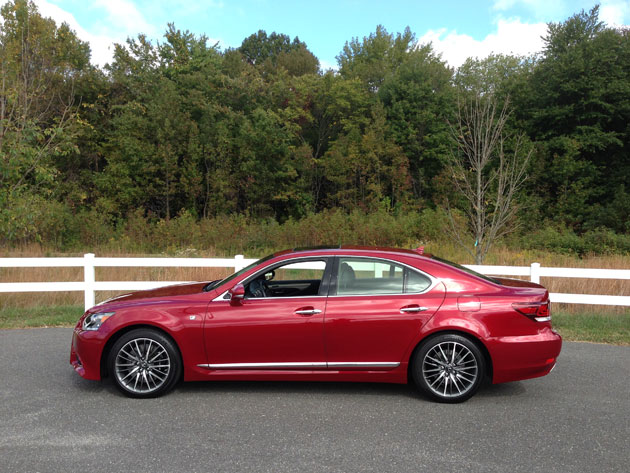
x=538, y=311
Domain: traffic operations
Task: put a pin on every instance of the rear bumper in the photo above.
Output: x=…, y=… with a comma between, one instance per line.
x=85, y=354
x=523, y=357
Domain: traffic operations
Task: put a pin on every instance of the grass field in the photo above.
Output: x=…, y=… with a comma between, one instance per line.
x=612, y=328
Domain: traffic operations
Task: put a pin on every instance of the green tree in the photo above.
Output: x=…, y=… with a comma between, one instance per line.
x=578, y=108
x=376, y=56
x=278, y=50
x=419, y=99
x=39, y=63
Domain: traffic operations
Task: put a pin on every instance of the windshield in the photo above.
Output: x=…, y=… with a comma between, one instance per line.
x=214, y=284
x=465, y=269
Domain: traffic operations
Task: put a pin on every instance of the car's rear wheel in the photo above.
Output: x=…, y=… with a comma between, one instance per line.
x=448, y=368
x=144, y=363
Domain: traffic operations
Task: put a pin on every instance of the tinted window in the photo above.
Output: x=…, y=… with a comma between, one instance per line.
x=416, y=282
x=365, y=276
x=291, y=279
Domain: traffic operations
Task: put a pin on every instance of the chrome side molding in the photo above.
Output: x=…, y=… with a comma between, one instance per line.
x=378, y=365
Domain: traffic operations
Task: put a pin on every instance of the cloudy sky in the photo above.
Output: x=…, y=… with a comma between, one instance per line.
x=457, y=28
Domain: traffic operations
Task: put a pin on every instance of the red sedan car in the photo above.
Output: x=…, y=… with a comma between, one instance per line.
x=325, y=314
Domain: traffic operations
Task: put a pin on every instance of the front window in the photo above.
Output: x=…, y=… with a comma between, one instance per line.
x=214, y=284
x=291, y=279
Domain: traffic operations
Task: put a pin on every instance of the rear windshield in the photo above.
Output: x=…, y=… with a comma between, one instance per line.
x=467, y=270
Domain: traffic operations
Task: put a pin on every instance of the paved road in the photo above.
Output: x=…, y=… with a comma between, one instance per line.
x=576, y=419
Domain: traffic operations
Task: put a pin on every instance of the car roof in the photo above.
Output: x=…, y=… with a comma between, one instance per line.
x=340, y=248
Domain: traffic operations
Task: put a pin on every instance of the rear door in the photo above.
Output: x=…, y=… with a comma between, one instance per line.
x=375, y=310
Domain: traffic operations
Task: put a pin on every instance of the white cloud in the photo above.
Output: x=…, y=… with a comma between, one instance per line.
x=123, y=17
x=101, y=45
x=615, y=12
x=511, y=37
x=612, y=12
x=118, y=20
x=325, y=65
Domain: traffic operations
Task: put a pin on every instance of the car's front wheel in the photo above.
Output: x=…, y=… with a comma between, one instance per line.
x=144, y=363
x=448, y=368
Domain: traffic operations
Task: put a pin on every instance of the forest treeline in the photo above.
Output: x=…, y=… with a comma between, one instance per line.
x=182, y=130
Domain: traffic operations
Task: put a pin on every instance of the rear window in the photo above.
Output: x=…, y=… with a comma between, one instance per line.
x=467, y=270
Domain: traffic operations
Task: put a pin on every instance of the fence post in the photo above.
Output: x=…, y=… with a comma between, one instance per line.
x=88, y=277
x=534, y=275
x=238, y=263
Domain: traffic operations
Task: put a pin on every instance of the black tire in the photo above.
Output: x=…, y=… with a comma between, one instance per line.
x=144, y=363
x=448, y=368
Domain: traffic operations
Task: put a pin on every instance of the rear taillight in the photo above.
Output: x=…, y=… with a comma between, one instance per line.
x=538, y=311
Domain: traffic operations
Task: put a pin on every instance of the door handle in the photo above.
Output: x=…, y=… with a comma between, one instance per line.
x=414, y=309
x=308, y=311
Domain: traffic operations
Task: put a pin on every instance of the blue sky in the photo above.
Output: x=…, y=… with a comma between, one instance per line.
x=457, y=28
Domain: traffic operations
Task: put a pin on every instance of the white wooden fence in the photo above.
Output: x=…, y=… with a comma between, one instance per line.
x=89, y=284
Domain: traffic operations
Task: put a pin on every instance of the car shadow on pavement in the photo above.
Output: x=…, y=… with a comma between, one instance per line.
x=515, y=388
x=297, y=387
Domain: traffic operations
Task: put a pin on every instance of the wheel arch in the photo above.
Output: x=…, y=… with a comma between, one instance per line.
x=126, y=329
x=450, y=331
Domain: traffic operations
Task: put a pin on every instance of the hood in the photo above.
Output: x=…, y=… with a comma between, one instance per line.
x=166, y=291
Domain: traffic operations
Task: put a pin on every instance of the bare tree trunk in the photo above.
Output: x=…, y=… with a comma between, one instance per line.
x=484, y=174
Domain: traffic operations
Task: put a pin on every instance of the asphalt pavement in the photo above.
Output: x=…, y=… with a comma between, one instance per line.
x=577, y=419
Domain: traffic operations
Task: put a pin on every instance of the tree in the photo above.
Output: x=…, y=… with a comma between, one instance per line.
x=39, y=63
x=487, y=170
x=578, y=107
x=419, y=99
x=375, y=57
x=277, y=50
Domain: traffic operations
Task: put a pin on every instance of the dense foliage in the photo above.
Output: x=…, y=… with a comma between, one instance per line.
x=181, y=130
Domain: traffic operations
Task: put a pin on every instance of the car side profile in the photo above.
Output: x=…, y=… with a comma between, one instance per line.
x=325, y=314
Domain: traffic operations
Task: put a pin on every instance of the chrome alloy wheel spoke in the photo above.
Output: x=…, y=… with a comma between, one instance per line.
x=142, y=365
x=449, y=369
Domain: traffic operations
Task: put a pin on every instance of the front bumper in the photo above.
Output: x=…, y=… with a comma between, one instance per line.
x=85, y=353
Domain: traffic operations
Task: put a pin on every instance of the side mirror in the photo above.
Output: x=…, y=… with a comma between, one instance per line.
x=237, y=294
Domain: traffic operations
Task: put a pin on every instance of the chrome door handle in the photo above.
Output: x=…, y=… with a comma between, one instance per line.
x=308, y=312
x=414, y=309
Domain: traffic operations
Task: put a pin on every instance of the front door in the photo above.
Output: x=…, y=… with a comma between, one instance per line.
x=278, y=325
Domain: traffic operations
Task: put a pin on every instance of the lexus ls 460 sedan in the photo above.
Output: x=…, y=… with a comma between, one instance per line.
x=325, y=314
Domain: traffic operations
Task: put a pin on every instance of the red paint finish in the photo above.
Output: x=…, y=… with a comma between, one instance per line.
x=339, y=338
x=373, y=328
x=265, y=331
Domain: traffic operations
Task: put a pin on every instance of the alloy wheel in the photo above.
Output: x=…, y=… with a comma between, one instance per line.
x=142, y=365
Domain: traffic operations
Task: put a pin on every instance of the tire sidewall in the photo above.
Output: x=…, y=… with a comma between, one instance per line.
x=155, y=335
x=422, y=350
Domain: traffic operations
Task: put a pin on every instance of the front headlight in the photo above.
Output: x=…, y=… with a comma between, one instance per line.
x=94, y=321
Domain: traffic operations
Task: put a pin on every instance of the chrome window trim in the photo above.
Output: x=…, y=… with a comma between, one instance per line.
x=221, y=296
x=290, y=365
x=434, y=281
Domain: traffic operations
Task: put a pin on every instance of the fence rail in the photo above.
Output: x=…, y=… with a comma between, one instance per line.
x=90, y=285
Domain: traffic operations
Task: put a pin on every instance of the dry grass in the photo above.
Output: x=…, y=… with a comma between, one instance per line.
x=501, y=256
